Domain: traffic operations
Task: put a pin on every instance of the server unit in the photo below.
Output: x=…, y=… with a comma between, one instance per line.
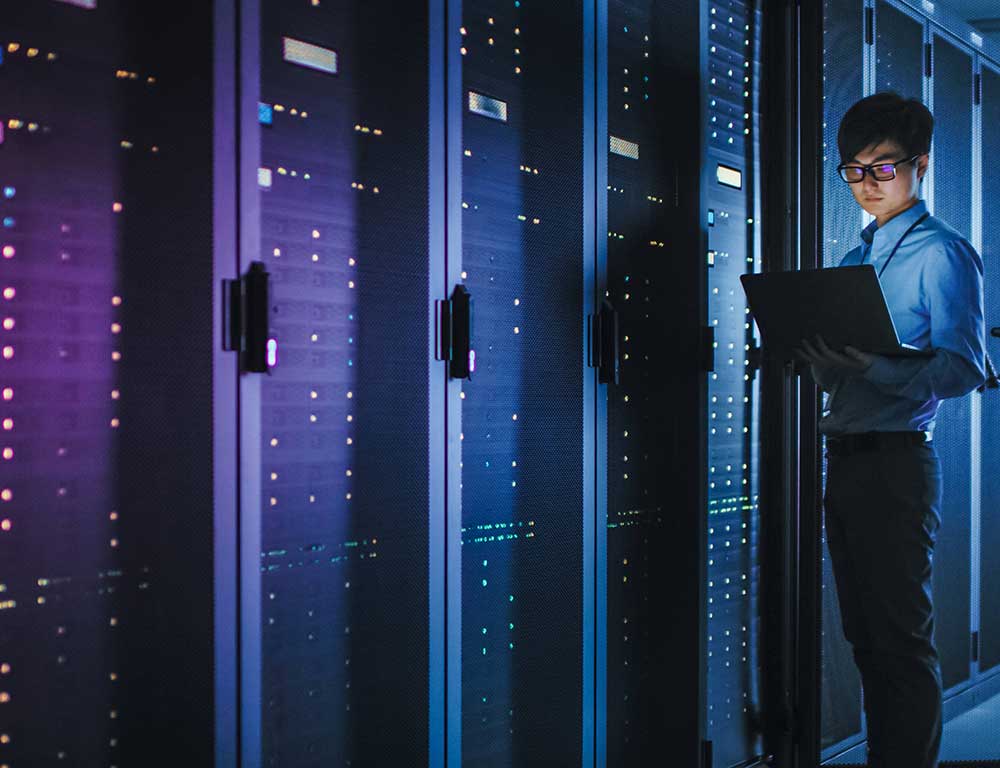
x=339, y=448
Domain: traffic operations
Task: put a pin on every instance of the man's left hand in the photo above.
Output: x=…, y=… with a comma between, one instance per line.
x=850, y=359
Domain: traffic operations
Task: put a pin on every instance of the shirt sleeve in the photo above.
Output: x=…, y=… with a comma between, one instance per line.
x=952, y=288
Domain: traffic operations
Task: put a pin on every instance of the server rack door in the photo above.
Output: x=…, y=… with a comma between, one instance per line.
x=106, y=381
x=951, y=156
x=844, y=52
x=733, y=424
x=342, y=473
x=989, y=616
x=899, y=51
x=655, y=434
x=522, y=410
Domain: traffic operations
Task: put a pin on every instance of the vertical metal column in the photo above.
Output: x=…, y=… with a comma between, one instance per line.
x=249, y=458
x=453, y=99
x=869, y=60
x=809, y=502
x=594, y=562
x=596, y=285
x=928, y=99
x=779, y=473
x=976, y=428
x=437, y=241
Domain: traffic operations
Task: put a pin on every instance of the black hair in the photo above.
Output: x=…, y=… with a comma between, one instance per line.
x=885, y=116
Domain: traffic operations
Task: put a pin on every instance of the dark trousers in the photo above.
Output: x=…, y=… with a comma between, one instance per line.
x=882, y=517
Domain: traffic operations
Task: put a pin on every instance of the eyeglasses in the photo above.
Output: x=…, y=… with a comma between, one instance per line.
x=853, y=174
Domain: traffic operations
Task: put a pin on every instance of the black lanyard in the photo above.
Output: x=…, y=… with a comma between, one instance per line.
x=913, y=226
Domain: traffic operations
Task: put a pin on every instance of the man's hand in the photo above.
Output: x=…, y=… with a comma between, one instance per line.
x=820, y=355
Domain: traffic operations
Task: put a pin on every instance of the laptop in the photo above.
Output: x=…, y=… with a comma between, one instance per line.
x=844, y=305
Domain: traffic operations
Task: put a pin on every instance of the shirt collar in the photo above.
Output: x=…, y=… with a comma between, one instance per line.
x=896, y=226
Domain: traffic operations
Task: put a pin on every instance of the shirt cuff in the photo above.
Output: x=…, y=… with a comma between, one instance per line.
x=883, y=370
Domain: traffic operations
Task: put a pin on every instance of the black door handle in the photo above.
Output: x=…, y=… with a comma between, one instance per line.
x=246, y=314
x=604, y=343
x=454, y=337
x=995, y=332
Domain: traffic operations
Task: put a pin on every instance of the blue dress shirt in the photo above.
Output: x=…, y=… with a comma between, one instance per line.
x=934, y=290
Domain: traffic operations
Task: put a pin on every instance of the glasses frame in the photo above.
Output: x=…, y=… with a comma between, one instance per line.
x=870, y=169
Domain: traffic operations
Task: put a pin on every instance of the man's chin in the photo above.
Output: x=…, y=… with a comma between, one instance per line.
x=874, y=207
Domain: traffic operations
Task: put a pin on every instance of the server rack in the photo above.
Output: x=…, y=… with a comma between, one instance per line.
x=107, y=139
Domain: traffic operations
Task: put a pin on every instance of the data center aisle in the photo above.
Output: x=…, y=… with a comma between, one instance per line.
x=966, y=738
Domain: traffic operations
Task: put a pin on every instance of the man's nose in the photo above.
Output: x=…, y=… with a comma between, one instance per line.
x=869, y=182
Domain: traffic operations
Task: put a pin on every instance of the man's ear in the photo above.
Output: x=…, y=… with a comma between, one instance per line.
x=922, y=166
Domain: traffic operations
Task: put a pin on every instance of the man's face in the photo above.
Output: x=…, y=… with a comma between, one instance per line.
x=884, y=199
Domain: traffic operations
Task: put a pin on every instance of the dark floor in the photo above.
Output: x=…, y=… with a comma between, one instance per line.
x=972, y=736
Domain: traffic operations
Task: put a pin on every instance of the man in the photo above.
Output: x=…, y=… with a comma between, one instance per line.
x=883, y=491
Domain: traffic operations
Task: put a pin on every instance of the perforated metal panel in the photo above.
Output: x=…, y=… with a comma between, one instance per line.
x=105, y=375
x=844, y=41
x=344, y=532
x=952, y=158
x=522, y=412
x=899, y=51
x=635, y=510
x=989, y=616
x=643, y=268
x=732, y=425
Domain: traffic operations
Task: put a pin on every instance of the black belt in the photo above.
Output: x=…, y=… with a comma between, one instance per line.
x=866, y=442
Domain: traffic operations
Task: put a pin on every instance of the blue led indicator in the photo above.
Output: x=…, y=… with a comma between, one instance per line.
x=265, y=113
x=9, y=222
x=9, y=192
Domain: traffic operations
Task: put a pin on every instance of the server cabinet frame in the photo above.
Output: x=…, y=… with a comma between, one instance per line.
x=227, y=582
x=791, y=575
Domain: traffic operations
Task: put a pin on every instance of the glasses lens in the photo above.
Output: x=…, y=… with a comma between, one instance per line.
x=884, y=172
x=852, y=173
